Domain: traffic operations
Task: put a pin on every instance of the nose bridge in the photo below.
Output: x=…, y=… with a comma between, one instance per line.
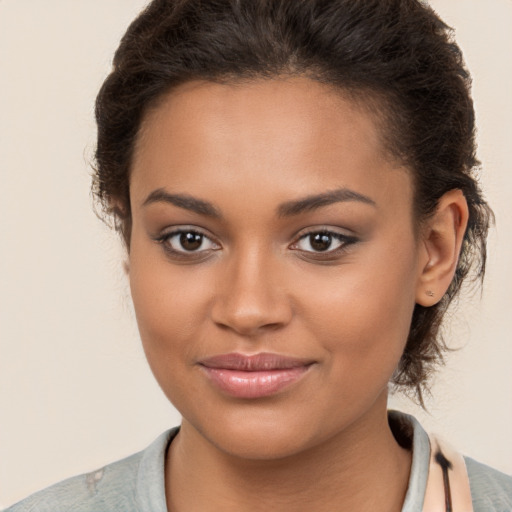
x=251, y=295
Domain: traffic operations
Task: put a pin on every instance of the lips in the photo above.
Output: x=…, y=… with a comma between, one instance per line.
x=254, y=376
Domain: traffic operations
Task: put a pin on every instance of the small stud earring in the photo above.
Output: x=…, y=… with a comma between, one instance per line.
x=430, y=293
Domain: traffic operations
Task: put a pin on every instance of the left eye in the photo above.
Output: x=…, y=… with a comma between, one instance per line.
x=321, y=241
x=188, y=241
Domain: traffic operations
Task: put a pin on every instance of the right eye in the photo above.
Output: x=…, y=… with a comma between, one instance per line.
x=187, y=242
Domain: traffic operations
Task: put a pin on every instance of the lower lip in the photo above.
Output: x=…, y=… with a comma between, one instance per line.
x=255, y=384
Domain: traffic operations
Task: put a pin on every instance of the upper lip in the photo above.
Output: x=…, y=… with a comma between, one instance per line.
x=253, y=363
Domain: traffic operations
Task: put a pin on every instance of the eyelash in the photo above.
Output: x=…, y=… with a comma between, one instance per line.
x=329, y=254
x=165, y=241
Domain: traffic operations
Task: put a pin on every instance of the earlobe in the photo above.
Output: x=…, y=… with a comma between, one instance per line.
x=441, y=243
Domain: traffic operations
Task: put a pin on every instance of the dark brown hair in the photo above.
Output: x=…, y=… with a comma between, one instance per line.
x=396, y=54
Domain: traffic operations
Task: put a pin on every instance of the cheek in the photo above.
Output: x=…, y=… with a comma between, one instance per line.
x=169, y=321
x=169, y=305
x=365, y=326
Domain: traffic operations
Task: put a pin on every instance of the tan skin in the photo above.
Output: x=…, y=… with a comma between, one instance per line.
x=255, y=283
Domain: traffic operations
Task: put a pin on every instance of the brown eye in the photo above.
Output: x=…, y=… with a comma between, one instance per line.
x=320, y=241
x=187, y=241
x=191, y=241
x=329, y=243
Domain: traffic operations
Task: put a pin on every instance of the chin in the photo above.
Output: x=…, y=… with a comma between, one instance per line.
x=262, y=444
x=254, y=432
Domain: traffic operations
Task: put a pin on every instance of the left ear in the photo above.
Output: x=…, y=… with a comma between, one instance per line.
x=441, y=240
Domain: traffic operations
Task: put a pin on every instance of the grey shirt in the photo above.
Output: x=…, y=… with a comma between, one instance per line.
x=136, y=484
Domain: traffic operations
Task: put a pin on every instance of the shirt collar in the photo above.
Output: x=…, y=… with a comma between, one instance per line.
x=151, y=473
x=420, y=460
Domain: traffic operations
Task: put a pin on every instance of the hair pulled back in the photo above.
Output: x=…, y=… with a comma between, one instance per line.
x=396, y=56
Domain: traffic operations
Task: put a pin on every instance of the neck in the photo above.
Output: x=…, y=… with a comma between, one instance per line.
x=362, y=468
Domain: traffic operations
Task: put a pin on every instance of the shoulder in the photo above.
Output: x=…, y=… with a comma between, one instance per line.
x=491, y=490
x=113, y=485
x=116, y=487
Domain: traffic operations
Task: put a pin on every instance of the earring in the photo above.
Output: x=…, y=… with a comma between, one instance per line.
x=430, y=293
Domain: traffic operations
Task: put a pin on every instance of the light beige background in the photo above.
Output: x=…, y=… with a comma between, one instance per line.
x=75, y=391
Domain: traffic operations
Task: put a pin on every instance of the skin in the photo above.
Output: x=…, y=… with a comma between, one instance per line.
x=257, y=285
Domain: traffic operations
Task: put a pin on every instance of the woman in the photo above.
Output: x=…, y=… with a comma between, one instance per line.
x=294, y=185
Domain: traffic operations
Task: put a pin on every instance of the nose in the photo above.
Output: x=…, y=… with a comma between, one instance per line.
x=250, y=297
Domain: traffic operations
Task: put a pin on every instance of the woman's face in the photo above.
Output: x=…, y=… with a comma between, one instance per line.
x=273, y=262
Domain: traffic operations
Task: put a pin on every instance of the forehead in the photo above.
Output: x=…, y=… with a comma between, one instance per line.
x=294, y=135
x=274, y=111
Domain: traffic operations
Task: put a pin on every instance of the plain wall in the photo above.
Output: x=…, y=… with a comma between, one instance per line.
x=75, y=390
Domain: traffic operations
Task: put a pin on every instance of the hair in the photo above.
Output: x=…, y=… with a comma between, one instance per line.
x=394, y=56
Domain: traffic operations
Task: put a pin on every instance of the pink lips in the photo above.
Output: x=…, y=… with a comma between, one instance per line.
x=254, y=376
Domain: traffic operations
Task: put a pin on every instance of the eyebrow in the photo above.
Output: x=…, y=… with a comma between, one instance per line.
x=183, y=201
x=313, y=202
x=287, y=209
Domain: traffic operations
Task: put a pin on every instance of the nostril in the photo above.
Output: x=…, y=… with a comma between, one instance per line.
x=249, y=322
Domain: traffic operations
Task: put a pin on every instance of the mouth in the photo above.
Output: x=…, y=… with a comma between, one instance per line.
x=254, y=376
